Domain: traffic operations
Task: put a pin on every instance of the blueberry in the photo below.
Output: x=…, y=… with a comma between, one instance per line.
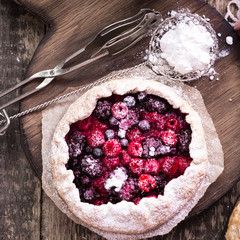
x=97, y=152
x=109, y=134
x=113, y=121
x=141, y=96
x=130, y=101
x=124, y=142
x=144, y=125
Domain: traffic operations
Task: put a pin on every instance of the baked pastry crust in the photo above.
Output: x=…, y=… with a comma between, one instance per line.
x=233, y=232
x=126, y=217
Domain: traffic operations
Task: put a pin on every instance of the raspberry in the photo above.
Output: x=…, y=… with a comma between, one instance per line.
x=152, y=166
x=184, y=140
x=103, y=109
x=76, y=143
x=84, y=125
x=109, y=134
x=146, y=182
x=155, y=119
x=98, y=184
x=99, y=202
x=125, y=159
x=96, y=125
x=169, y=137
x=137, y=201
x=112, y=148
x=155, y=133
x=110, y=162
x=119, y=110
x=172, y=123
x=124, y=142
x=141, y=96
x=144, y=125
x=95, y=138
x=169, y=166
x=130, y=101
x=113, y=121
x=97, y=152
x=135, y=135
x=135, y=149
x=183, y=163
x=92, y=167
x=129, y=189
x=154, y=104
x=136, y=165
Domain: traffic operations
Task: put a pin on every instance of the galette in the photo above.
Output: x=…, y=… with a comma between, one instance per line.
x=128, y=155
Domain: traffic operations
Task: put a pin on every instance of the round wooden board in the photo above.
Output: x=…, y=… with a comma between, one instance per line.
x=73, y=25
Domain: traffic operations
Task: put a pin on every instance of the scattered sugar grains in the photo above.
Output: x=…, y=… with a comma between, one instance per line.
x=187, y=47
x=229, y=40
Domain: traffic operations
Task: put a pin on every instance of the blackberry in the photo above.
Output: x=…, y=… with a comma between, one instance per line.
x=76, y=143
x=161, y=181
x=184, y=139
x=153, y=104
x=88, y=195
x=129, y=190
x=97, y=152
x=148, y=144
x=103, y=109
x=92, y=167
x=130, y=101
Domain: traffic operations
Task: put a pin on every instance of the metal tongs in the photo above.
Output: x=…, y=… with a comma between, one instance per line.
x=112, y=40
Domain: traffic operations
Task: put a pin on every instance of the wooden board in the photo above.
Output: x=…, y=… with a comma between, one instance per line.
x=71, y=26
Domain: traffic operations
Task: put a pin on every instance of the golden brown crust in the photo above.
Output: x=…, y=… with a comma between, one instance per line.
x=233, y=232
x=126, y=217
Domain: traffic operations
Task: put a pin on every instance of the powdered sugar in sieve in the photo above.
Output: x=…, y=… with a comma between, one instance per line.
x=166, y=65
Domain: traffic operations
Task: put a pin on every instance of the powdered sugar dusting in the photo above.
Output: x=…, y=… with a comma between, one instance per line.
x=116, y=179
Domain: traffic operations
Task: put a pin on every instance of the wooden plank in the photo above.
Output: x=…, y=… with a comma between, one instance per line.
x=210, y=224
x=20, y=190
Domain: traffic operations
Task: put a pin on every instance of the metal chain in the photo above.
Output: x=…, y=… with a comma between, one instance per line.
x=43, y=105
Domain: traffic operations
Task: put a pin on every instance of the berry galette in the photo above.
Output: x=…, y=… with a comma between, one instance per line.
x=128, y=155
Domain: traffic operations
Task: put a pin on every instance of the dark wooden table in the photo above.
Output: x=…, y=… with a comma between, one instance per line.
x=26, y=211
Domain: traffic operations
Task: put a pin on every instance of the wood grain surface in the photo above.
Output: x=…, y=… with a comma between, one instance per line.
x=26, y=211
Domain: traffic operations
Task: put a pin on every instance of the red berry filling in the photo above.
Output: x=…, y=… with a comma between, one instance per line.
x=119, y=110
x=146, y=182
x=129, y=148
x=112, y=148
x=135, y=149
